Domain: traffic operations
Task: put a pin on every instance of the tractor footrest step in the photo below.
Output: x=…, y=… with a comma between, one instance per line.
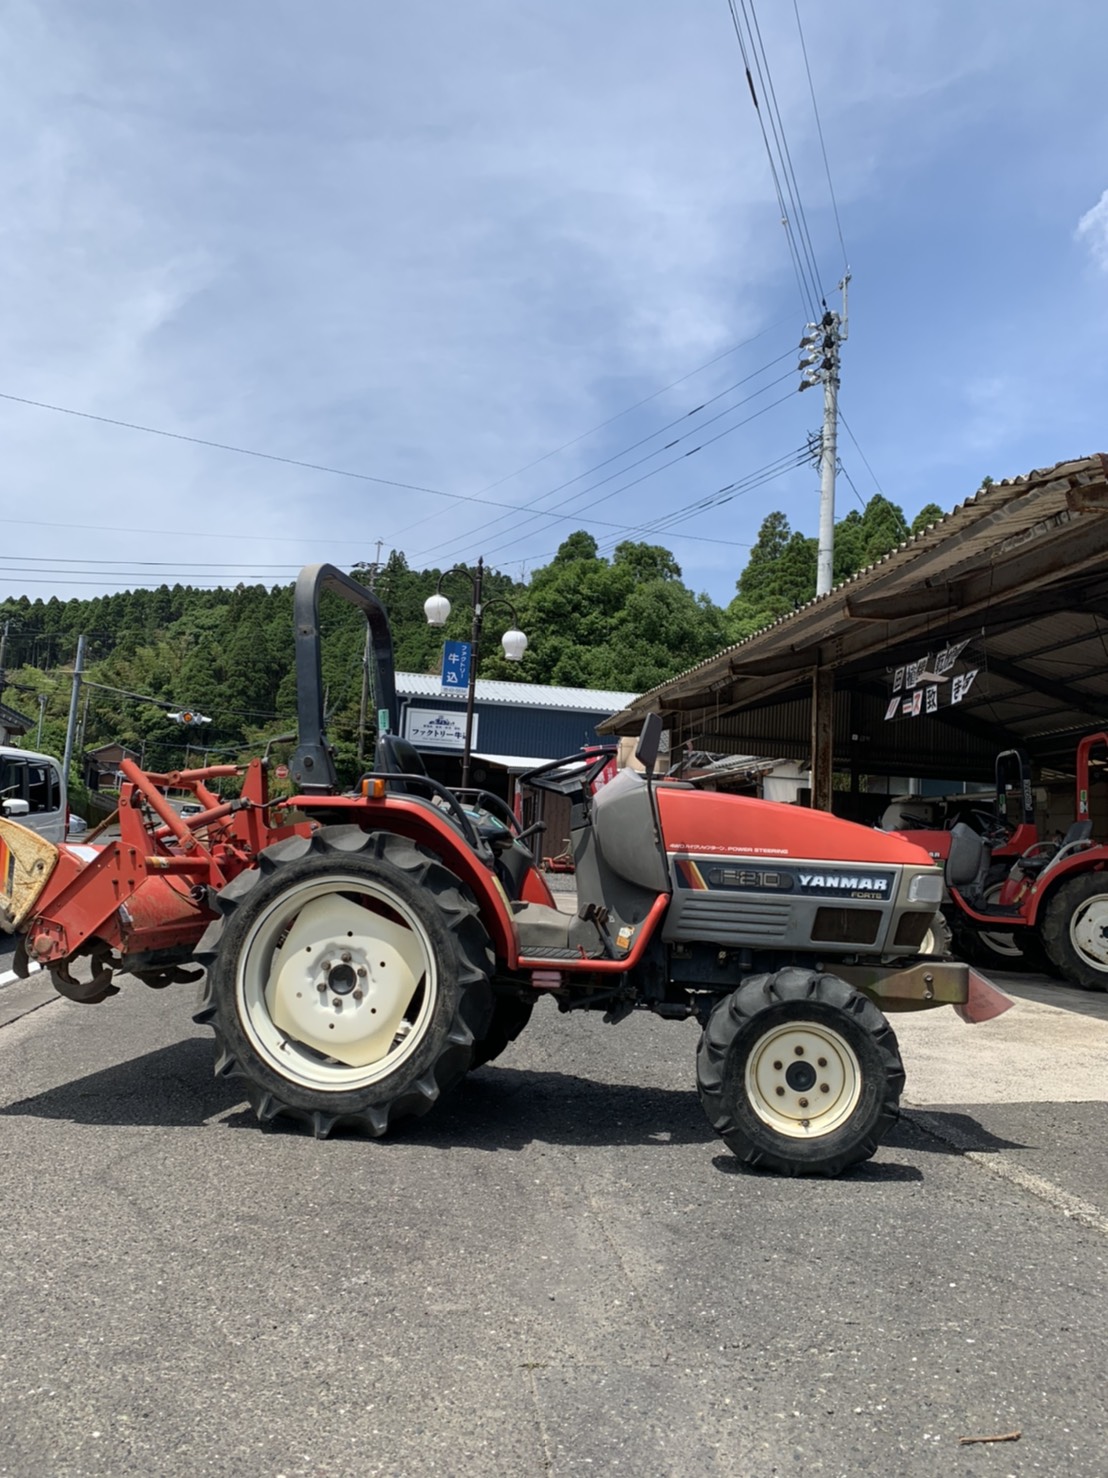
x=1000, y=910
x=551, y=952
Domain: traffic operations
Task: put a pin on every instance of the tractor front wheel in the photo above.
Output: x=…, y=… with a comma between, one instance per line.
x=799, y=1073
x=348, y=980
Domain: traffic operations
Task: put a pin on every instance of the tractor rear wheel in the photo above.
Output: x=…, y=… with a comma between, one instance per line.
x=1074, y=930
x=799, y=1073
x=348, y=980
x=509, y=1016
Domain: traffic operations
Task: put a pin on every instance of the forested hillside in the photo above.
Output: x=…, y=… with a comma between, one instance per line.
x=627, y=623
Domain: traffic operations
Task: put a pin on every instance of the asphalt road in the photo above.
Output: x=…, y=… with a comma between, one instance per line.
x=559, y=1271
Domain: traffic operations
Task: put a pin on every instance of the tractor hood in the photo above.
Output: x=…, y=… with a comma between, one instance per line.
x=704, y=823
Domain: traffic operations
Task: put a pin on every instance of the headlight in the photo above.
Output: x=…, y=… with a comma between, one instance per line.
x=926, y=887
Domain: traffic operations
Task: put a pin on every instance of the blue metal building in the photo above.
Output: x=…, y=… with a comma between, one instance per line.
x=515, y=725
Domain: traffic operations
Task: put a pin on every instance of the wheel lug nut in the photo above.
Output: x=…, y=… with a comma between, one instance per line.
x=799, y=1051
x=803, y=1102
x=321, y=987
x=346, y=958
x=822, y=1061
x=361, y=971
x=825, y=1087
x=337, y=1004
x=780, y=1092
x=357, y=995
x=777, y=1067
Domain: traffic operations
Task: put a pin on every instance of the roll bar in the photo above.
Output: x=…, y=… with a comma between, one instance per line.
x=312, y=767
x=1013, y=773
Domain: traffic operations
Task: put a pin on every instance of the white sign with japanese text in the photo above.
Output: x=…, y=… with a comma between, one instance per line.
x=438, y=728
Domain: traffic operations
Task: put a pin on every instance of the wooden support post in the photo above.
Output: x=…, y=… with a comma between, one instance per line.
x=823, y=734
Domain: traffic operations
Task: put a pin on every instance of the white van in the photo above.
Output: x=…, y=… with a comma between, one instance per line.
x=31, y=792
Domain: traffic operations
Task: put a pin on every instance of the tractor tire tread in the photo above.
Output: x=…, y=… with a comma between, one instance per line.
x=733, y=1017
x=1054, y=930
x=474, y=1010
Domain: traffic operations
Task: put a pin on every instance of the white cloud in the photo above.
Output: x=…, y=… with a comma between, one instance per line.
x=1092, y=228
x=436, y=242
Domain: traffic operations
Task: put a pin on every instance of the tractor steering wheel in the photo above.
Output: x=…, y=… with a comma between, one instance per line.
x=573, y=773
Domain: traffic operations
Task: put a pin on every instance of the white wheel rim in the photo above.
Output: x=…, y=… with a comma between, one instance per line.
x=1089, y=932
x=378, y=968
x=803, y=1079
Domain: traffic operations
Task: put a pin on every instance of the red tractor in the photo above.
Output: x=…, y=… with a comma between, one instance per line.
x=362, y=951
x=1007, y=826
x=1054, y=899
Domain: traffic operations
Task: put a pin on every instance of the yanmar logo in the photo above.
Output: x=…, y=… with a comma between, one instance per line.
x=844, y=882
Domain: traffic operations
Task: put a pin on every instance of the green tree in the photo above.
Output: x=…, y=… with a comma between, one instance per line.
x=930, y=513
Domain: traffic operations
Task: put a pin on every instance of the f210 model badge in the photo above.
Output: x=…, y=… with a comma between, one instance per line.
x=788, y=880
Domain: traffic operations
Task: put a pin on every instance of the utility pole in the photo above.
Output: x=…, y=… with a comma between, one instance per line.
x=3, y=656
x=374, y=567
x=84, y=721
x=42, y=700
x=823, y=342
x=71, y=727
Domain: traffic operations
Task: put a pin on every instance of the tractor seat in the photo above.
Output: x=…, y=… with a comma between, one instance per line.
x=1035, y=861
x=396, y=756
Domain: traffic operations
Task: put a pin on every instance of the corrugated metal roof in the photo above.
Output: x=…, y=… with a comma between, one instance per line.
x=964, y=524
x=518, y=695
x=1020, y=568
x=513, y=762
x=11, y=719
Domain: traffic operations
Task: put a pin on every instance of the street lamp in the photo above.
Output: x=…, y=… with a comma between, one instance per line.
x=437, y=610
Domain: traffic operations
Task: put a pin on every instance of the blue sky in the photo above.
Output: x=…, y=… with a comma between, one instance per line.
x=434, y=243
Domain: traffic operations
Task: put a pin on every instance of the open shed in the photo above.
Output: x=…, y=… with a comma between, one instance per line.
x=989, y=630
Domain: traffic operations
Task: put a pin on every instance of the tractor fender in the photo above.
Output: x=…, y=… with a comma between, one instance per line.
x=1093, y=859
x=428, y=826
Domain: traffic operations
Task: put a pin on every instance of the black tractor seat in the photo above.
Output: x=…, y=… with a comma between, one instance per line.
x=1035, y=861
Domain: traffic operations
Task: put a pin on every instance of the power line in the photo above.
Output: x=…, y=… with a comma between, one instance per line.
x=42, y=559
x=193, y=533
x=808, y=286
x=615, y=457
x=819, y=130
x=241, y=451
x=732, y=489
x=850, y=480
x=859, y=450
x=224, y=535
x=221, y=446
x=69, y=578
x=625, y=487
x=778, y=125
x=708, y=363
x=170, y=703
x=585, y=492
x=323, y=467
x=726, y=494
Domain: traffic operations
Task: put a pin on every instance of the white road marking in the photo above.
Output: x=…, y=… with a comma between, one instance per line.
x=1001, y=1166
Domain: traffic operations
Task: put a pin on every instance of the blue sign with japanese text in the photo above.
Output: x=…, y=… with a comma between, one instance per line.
x=455, y=665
